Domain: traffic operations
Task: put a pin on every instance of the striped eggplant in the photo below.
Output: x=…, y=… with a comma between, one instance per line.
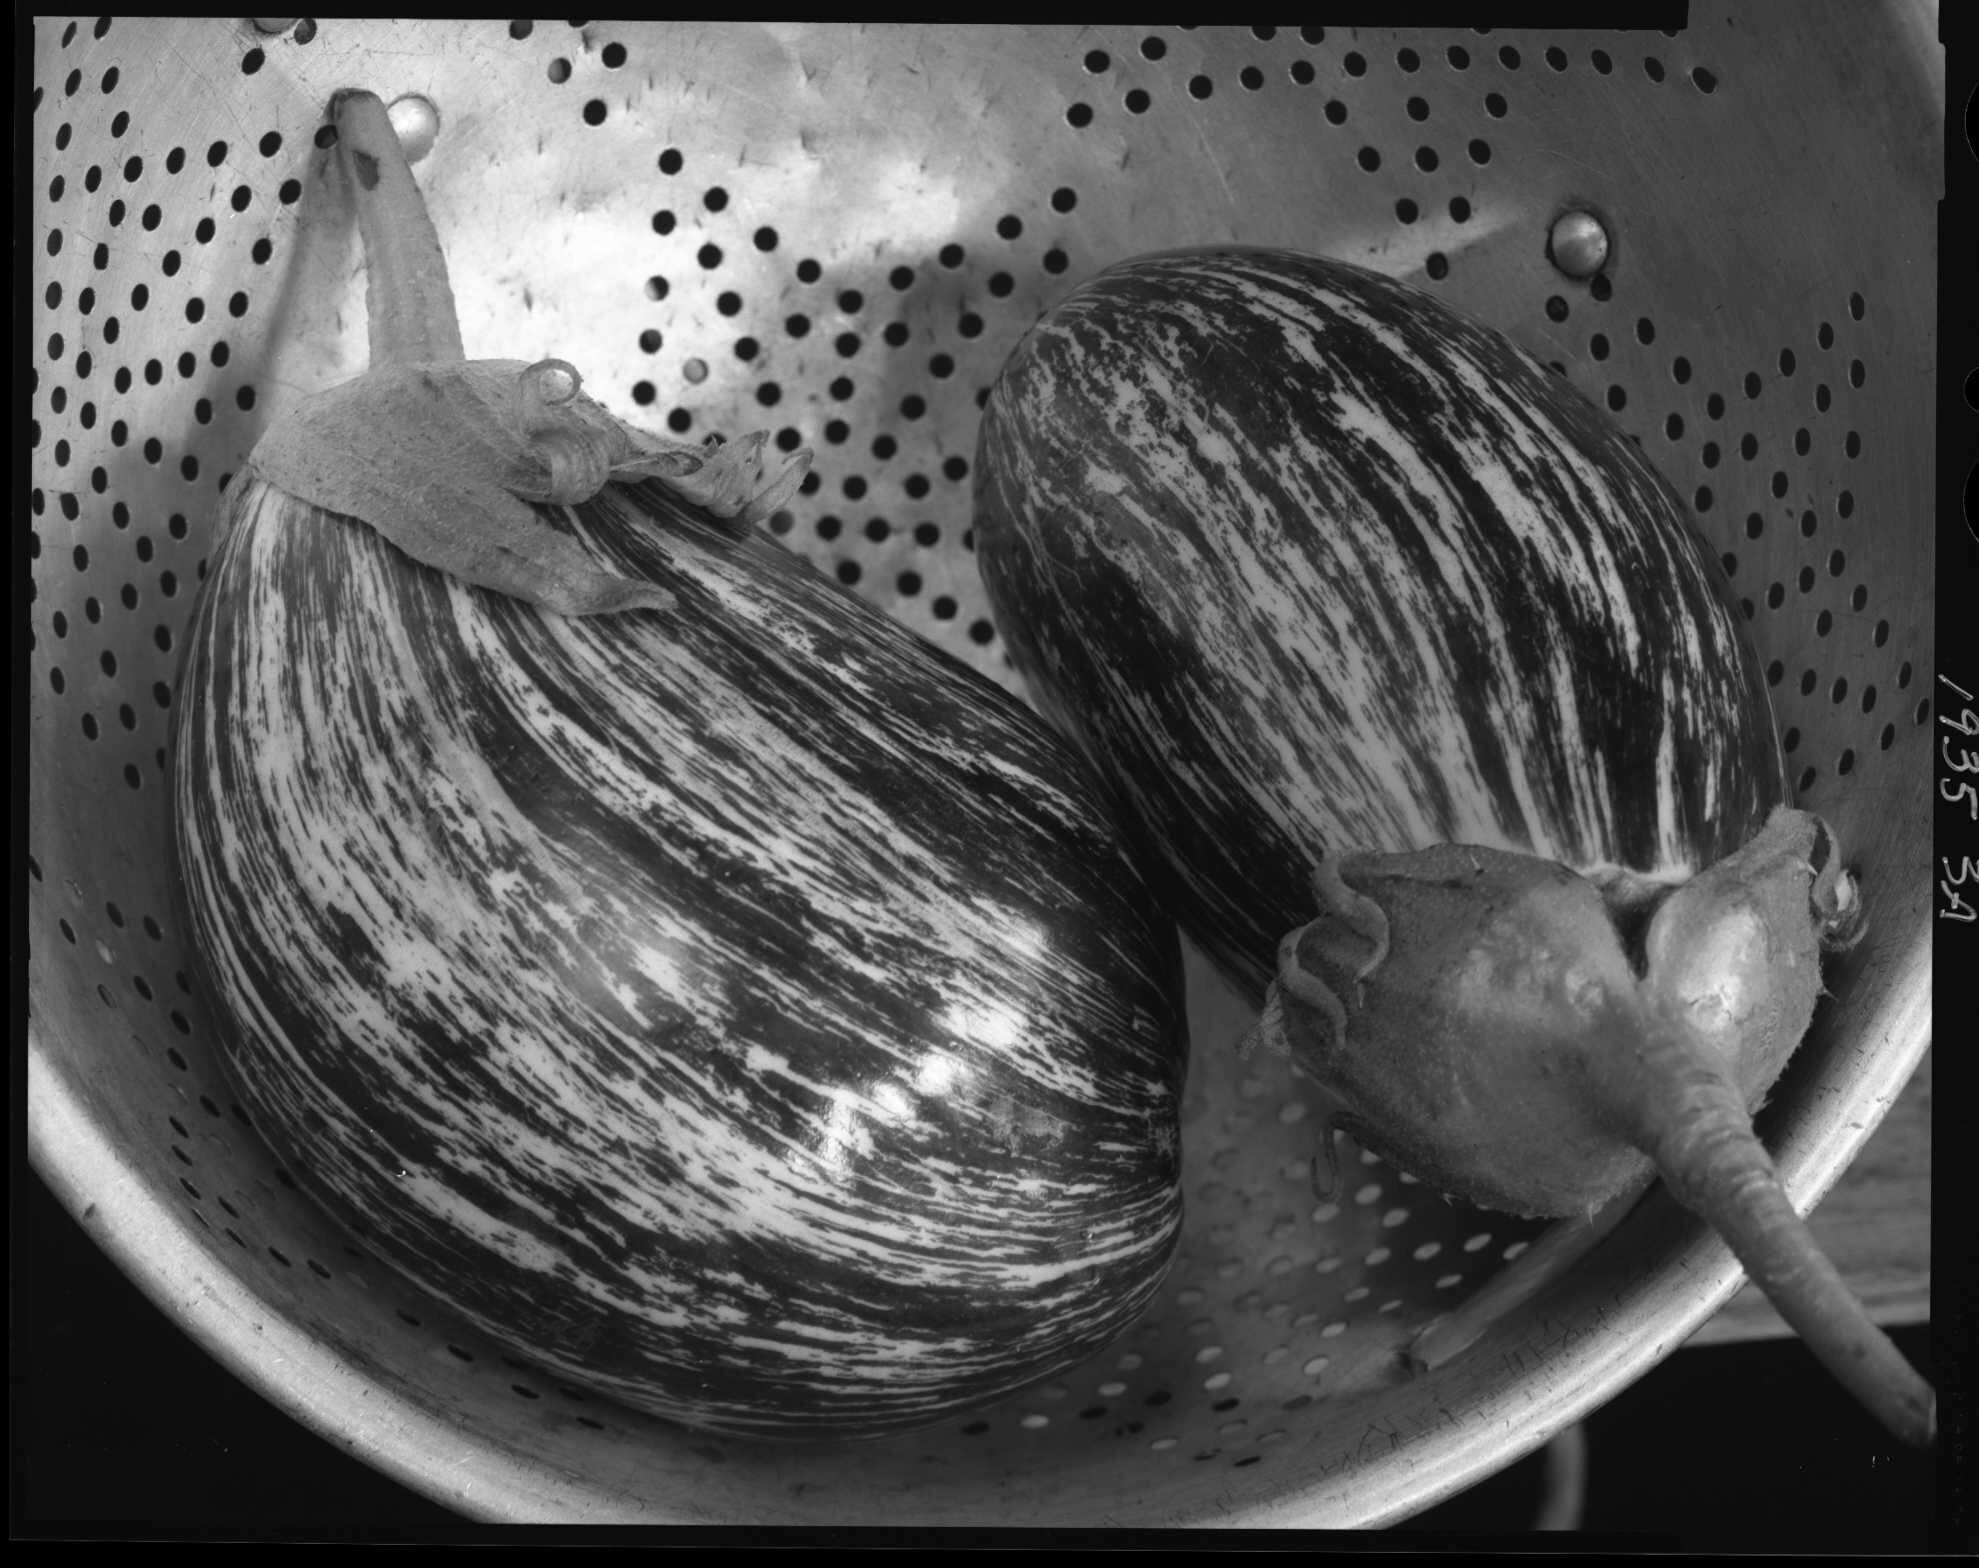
x=740, y=1008
x=1312, y=564
x=1439, y=731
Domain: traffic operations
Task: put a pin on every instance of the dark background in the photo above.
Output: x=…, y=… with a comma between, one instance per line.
x=124, y=1428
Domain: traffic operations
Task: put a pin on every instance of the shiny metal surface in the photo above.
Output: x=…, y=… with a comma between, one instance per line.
x=838, y=232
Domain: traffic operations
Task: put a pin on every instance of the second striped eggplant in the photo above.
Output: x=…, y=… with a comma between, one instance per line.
x=1441, y=733
x=1314, y=565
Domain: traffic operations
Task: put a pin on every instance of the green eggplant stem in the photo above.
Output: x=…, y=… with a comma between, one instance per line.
x=1678, y=1105
x=409, y=302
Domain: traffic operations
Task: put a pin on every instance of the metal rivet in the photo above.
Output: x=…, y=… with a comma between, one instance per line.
x=1578, y=244
x=417, y=123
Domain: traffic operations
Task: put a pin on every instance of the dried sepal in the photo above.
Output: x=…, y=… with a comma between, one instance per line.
x=450, y=462
x=454, y=461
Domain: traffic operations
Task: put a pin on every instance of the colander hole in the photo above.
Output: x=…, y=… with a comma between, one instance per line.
x=1369, y=159
x=1903, y=676
x=1515, y=1249
x=1680, y=370
x=1393, y=1218
x=1377, y=1257
x=1808, y=681
x=710, y=256
x=1556, y=310
x=1703, y=79
x=1600, y=287
x=1408, y=60
x=1652, y=68
x=1807, y=524
x=1509, y=57
x=1367, y=1193
x=1923, y=709
x=1137, y=101
x=1479, y=150
x=1079, y=115
x=1822, y=398
x=1856, y=374
x=1790, y=741
x=1556, y=57
x=1437, y=265
x=1702, y=499
x=1825, y=335
x=1460, y=210
x=1153, y=48
x=1336, y=112
x=1855, y=307
x=1458, y=56
x=1353, y=63
x=1426, y=159
x=1618, y=398
x=1097, y=60
x=1888, y=738
x=1406, y=210
x=1824, y=623
x=1806, y=579
x=1858, y=597
x=1710, y=454
x=1301, y=71
x=1598, y=346
x=1495, y=105
x=460, y=1354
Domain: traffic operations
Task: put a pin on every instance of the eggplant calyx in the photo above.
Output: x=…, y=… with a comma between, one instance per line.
x=465, y=464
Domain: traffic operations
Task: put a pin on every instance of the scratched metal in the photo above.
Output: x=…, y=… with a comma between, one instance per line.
x=838, y=232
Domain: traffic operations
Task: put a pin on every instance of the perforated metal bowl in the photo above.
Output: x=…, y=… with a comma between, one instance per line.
x=837, y=233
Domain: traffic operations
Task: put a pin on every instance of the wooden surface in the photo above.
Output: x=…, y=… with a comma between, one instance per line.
x=1875, y=1224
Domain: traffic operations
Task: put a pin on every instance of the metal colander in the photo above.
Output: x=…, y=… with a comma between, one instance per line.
x=837, y=233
